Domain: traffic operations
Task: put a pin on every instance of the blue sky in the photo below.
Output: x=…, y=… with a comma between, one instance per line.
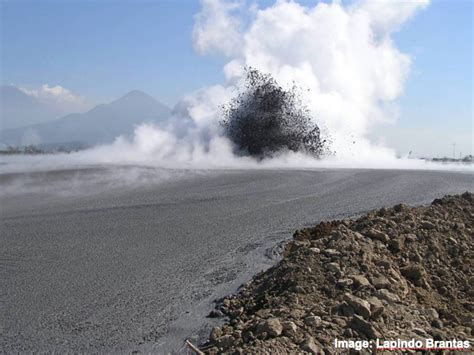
x=103, y=49
x=439, y=92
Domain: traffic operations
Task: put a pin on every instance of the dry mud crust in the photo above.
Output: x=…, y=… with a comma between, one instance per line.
x=395, y=273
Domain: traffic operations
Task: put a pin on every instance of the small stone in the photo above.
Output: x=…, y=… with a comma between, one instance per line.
x=333, y=267
x=396, y=244
x=271, y=326
x=348, y=333
x=416, y=257
x=310, y=346
x=345, y=282
x=346, y=310
x=301, y=234
x=313, y=321
x=360, y=306
x=381, y=282
x=431, y=313
x=360, y=281
x=421, y=332
x=413, y=272
x=383, y=263
x=377, y=235
x=359, y=324
x=386, y=295
x=400, y=207
x=437, y=323
x=297, y=313
x=452, y=240
x=225, y=341
x=331, y=252
x=215, y=313
x=248, y=336
x=376, y=307
x=263, y=313
x=299, y=289
x=427, y=225
x=340, y=321
x=216, y=333
x=289, y=328
x=315, y=250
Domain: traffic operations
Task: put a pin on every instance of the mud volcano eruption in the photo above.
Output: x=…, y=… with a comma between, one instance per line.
x=265, y=119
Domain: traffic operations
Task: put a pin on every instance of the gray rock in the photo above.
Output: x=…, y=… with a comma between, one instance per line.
x=377, y=235
x=360, y=306
x=216, y=313
x=333, y=267
x=271, y=326
x=431, y=313
x=346, y=310
x=216, y=333
x=360, y=325
x=289, y=328
x=345, y=282
x=413, y=271
x=396, y=244
x=421, y=332
x=360, y=281
x=376, y=307
x=313, y=321
x=331, y=252
x=427, y=225
x=225, y=341
x=400, y=207
x=310, y=346
x=381, y=282
x=386, y=295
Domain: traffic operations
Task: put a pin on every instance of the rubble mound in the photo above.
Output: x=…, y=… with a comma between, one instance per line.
x=395, y=273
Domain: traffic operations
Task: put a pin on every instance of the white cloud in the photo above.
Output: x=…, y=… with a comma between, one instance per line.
x=343, y=54
x=216, y=28
x=387, y=16
x=58, y=98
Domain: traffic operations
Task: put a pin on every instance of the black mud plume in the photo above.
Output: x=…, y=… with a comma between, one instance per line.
x=265, y=119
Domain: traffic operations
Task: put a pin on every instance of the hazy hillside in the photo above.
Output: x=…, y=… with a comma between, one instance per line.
x=99, y=125
x=19, y=109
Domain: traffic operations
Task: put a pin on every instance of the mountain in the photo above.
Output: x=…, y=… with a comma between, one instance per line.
x=102, y=124
x=18, y=109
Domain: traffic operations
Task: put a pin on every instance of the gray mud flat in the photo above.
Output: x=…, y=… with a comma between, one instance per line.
x=136, y=266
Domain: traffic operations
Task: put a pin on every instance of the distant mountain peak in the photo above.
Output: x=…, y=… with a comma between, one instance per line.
x=136, y=95
x=102, y=124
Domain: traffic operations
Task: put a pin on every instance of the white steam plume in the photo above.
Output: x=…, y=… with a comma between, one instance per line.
x=341, y=55
x=344, y=56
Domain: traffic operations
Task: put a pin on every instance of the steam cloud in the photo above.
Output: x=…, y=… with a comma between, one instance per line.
x=341, y=55
x=59, y=98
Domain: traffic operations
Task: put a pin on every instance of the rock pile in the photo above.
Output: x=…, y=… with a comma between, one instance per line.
x=395, y=273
